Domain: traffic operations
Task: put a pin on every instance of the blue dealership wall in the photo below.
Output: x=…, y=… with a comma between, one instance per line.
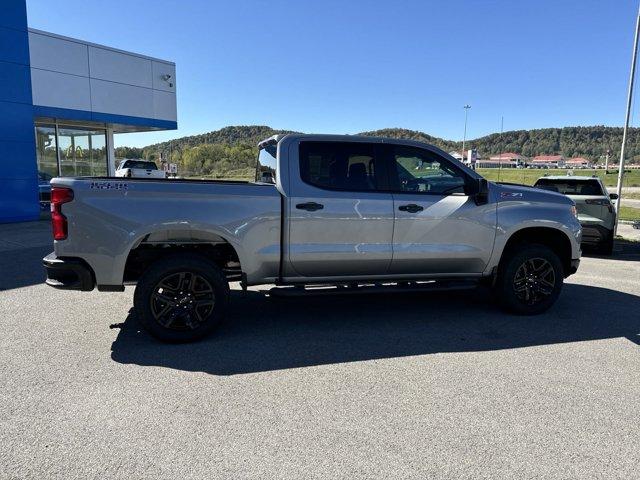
x=18, y=170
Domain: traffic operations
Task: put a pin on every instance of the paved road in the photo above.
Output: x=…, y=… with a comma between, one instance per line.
x=631, y=202
x=392, y=386
x=627, y=231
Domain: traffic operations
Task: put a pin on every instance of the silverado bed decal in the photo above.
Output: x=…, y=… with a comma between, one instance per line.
x=109, y=186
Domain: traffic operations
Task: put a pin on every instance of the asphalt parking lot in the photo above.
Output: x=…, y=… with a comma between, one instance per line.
x=385, y=386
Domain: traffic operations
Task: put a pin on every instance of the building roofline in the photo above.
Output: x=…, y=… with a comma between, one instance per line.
x=97, y=45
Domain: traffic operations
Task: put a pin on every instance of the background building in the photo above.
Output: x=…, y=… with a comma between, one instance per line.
x=459, y=156
x=548, y=161
x=578, y=162
x=504, y=160
x=61, y=102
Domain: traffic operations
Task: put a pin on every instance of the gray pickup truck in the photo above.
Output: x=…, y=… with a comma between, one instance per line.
x=324, y=210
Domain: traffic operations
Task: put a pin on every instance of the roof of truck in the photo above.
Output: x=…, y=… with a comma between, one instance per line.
x=361, y=138
x=346, y=138
x=569, y=177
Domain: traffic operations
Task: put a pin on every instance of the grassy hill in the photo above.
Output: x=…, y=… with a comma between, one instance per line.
x=233, y=135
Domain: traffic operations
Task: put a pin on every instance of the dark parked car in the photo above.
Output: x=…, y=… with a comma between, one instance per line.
x=44, y=189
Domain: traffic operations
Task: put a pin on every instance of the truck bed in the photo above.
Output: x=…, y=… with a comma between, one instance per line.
x=171, y=180
x=110, y=216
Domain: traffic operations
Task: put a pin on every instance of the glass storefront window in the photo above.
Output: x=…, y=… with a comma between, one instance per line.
x=46, y=152
x=83, y=151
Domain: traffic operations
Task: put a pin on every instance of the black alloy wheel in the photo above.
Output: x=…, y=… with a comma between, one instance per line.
x=182, y=300
x=181, y=297
x=534, y=281
x=530, y=278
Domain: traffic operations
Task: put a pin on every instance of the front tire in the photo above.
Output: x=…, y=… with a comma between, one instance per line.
x=181, y=298
x=530, y=279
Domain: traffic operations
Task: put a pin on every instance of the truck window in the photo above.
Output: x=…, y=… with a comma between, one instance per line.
x=339, y=165
x=267, y=164
x=139, y=164
x=570, y=186
x=422, y=172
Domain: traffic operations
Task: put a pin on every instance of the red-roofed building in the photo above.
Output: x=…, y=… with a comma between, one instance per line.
x=513, y=157
x=502, y=160
x=548, y=161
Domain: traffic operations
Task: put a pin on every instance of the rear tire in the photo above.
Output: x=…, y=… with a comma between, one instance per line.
x=181, y=298
x=529, y=279
x=606, y=247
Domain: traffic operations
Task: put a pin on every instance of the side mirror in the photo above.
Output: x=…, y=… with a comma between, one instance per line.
x=478, y=188
x=613, y=196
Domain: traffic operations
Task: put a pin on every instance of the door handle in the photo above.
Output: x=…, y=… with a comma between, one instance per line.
x=411, y=208
x=309, y=206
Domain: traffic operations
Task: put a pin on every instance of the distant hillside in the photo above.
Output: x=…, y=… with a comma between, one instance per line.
x=234, y=135
x=446, y=145
x=231, y=151
x=590, y=142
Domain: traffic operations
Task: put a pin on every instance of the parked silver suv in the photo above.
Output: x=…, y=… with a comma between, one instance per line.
x=595, y=211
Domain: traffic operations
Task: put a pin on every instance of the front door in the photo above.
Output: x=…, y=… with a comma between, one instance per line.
x=340, y=220
x=438, y=229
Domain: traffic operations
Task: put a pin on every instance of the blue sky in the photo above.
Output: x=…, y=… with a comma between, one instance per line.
x=348, y=66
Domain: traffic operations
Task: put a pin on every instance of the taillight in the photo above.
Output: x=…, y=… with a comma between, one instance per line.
x=603, y=202
x=59, y=195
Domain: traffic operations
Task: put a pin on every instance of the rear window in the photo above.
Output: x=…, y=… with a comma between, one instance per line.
x=139, y=164
x=267, y=163
x=339, y=165
x=570, y=187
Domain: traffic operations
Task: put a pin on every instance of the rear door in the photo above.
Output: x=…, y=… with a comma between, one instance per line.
x=438, y=228
x=340, y=217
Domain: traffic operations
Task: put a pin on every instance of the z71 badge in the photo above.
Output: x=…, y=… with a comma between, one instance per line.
x=511, y=195
x=109, y=186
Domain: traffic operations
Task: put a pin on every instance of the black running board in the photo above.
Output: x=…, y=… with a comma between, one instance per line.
x=372, y=288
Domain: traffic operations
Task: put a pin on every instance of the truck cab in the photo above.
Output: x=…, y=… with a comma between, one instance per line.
x=357, y=207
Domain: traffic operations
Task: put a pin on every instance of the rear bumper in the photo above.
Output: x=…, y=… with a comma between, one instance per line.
x=595, y=234
x=68, y=273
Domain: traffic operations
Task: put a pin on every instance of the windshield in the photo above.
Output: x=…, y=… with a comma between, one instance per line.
x=139, y=164
x=570, y=187
x=267, y=164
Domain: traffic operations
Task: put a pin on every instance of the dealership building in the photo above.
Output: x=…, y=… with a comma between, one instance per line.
x=61, y=101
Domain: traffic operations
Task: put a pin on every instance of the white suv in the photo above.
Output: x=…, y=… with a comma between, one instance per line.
x=595, y=211
x=139, y=169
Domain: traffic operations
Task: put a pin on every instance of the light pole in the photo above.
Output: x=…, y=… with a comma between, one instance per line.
x=500, y=143
x=464, y=136
x=626, y=122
